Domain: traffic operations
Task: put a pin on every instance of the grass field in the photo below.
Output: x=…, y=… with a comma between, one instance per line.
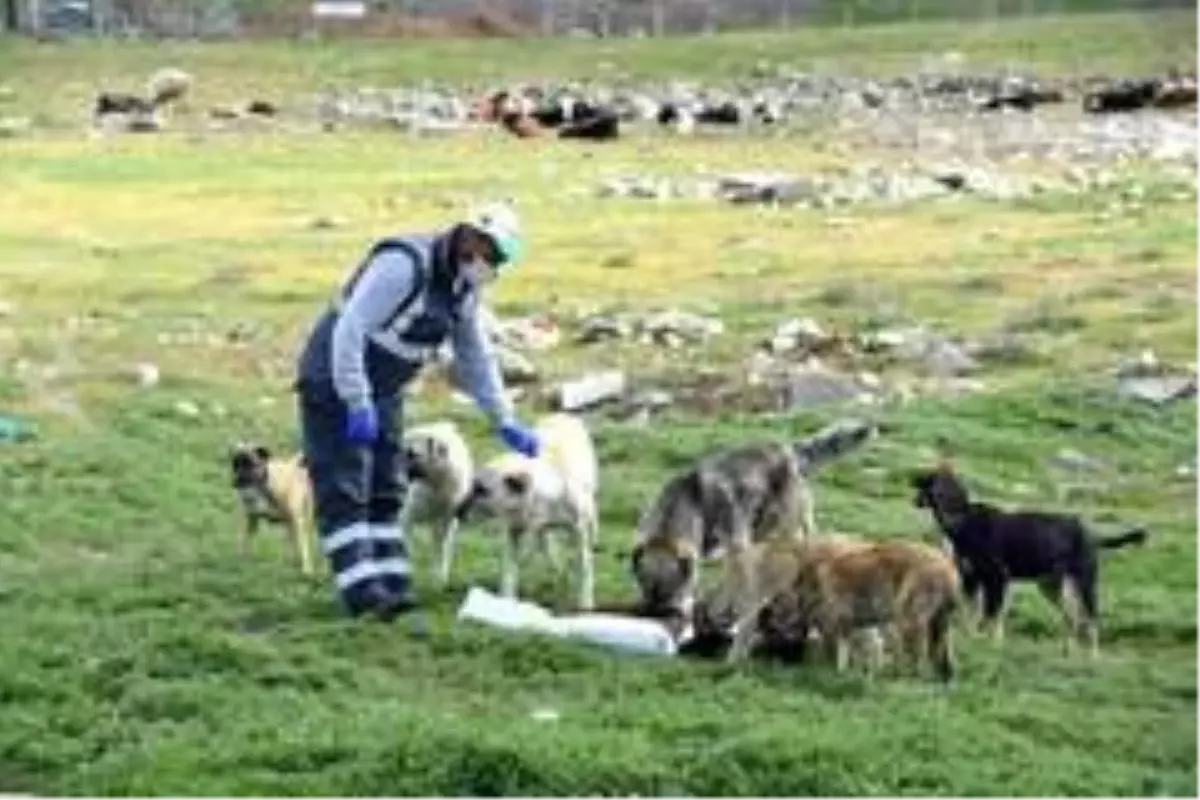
x=141, y=655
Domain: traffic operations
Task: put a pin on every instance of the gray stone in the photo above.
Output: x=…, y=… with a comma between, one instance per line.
x=591, y=390
x=1158, y=391
x=516, y=368
x=815, y=386
x=1071, y=459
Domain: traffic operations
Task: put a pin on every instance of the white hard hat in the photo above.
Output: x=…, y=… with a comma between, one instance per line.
x=499, y=221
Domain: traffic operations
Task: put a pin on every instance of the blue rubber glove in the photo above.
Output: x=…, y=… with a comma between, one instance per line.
x=521, y=439
x=362, y=425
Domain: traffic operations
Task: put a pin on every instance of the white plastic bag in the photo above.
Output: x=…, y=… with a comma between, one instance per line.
x=630, y=634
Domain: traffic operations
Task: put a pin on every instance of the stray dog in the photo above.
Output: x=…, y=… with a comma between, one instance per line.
x=843, y=587
x=439, y=473
x=994, y=547
x=723, y=504
x=555, y=490
x=275, y=490
x=781, y=627
x=1124, y=96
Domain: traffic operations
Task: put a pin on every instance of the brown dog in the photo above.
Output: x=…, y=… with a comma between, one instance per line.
x=275, y=490
x=840, y=586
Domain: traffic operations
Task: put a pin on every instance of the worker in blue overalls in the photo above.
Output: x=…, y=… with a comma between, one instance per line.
x=405, y=299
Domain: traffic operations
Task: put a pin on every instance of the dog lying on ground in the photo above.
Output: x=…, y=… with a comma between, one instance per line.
x=844, y=588
x=274, y=490
x=532, y=497
x=727, y=501
x=994, y=547
x=439, y=476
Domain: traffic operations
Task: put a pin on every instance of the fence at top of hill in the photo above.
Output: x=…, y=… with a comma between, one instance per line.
x=248, y=18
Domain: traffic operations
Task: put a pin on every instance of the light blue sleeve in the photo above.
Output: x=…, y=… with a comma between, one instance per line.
x=384, y=284
x=475, y=369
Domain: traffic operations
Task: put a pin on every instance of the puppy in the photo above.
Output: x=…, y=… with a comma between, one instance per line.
x=843, y=587
x=533, y=496
x=440, y=474
x=724, y=503
x=275, y=490
x=994, y=547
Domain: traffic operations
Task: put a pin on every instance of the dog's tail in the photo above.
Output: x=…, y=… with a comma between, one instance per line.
x=1132, y=536
x=832, y=442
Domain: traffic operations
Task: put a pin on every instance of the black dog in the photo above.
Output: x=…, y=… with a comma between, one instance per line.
x=1122, y=97
x=994, y=547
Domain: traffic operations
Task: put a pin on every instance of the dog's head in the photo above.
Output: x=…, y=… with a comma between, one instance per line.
x=939, y=489
x=503, y=488
x=426, y=455
x=248, y=465
x=664, y=577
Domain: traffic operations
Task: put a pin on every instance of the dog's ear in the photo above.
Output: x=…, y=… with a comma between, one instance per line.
x=517, y=483
x=635, y=558
x=262, y=452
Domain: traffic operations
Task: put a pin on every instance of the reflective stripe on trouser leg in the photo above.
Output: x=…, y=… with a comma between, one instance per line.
x=358, y=571
x=391, y=557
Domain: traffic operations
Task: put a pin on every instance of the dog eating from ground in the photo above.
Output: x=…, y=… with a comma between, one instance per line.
x=275, y=490
x=439, y=475
x=781, y=626
x=847, y=589
x=726, y=502
x=994, y=547
x=533, y=497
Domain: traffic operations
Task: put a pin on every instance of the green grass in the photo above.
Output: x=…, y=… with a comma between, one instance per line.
x=141, y=655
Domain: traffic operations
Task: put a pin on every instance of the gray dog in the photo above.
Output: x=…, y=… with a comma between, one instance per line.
x=723, y=504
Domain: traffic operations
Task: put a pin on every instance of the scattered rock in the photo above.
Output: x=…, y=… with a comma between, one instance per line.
x=146, y=375
x=803, y=335
x=943, y=357
x=603, y=328
x=187, y=409
x=1001, y=348
x=812, y=386
x=773, y=189
x=1071, y=459
x=674, y=328
x=516, y=368
x=1158, y=390
x=591, y=390
x=525, y=333
x=12, y=127
x=1144, y=365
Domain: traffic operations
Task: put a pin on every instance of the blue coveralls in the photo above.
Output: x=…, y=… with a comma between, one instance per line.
x=390, y=318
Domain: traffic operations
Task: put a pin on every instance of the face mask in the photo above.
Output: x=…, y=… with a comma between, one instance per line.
x=476, y=270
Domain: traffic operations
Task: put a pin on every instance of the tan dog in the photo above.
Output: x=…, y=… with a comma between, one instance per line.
x=274, y=490
x=440, y=475
x=787, y=619
x=840, y=587
x=532, y=496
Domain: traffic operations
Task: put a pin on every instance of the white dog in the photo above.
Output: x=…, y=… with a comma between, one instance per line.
x=440, y=475
x=555, y=490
